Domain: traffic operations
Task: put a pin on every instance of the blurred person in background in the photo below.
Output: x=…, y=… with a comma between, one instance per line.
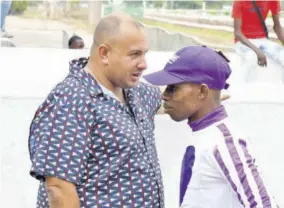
x=76, y=42
x=252, y=36
x=5, y=7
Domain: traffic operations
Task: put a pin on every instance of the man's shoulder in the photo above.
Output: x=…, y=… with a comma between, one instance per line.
x=238, y=7
x=237, y=3
x=67, y=93
x=145, y=88
x=223, y=137
x=228, y=130
x=149, y=96
x=70, y=88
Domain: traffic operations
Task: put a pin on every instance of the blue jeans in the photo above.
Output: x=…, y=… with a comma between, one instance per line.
x=5, y=7
x=272, y=50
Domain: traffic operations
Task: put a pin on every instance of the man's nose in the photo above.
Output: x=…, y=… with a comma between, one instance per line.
x=143, y=63
x=164, y=96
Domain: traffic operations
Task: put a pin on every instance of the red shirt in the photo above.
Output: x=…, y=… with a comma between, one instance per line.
x=251, y=24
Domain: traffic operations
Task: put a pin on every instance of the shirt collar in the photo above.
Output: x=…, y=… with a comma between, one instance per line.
x=217, y=115
x=77, y=70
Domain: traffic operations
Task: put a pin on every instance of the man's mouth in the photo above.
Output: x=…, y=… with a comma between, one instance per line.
x=137, y=74
x=165, y=105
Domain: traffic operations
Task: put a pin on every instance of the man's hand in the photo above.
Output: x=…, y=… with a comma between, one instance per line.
x=261, y=58
x=61, y=193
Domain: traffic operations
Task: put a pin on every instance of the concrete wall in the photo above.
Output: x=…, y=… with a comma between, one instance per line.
x=160, y=40
x=163, y=40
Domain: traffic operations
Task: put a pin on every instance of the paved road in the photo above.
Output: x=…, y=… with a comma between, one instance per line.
x=40, y=33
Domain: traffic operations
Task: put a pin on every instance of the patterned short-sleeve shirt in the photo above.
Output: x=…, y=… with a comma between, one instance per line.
x=107, y=149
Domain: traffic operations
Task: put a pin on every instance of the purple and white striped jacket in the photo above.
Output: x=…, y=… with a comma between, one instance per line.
x=218, y=169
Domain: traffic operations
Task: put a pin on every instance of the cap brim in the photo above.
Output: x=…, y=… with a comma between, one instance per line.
x=162, y=78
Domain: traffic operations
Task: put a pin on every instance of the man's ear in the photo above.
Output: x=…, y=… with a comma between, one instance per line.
x=103, y=51
x=203, y=92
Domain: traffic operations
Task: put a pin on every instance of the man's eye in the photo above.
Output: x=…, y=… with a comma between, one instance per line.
x=135, y=54
x=171, y=89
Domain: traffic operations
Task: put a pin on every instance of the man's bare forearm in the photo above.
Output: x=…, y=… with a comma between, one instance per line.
x=241, y=37
x=244, y=40
x=61, y=193
x=278, y=29
x=59, y=199
x=279, y=32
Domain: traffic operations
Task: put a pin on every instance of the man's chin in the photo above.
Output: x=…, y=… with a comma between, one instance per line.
x=129, y=86
x=175, y=118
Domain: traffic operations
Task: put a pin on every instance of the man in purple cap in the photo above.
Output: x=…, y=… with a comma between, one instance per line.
x=218, y=170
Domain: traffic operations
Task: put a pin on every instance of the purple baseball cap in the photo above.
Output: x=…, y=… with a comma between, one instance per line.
x=194, y=64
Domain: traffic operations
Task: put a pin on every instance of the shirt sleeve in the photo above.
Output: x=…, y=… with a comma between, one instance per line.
x=237, y=165
x=237, y=9
x=275, y=7
x=60, y=138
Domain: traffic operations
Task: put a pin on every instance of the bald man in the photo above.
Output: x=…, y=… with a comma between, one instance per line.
x=91, y=141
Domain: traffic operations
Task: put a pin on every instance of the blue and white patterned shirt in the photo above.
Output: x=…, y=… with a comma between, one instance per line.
x=84, y=136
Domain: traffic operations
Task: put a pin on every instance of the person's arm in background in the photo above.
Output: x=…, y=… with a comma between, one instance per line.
x=237, y=15
x=278, y=29
x=61, y=193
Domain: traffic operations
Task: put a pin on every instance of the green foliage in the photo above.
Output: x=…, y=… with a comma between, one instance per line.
x=227, y=13
x=214, y=4
x=18, y=7
x=74, y=3
x=137, y=3
x=176, y=4
x=188, y=4
x=213, y=12
x=133, y=8
x=156, y=4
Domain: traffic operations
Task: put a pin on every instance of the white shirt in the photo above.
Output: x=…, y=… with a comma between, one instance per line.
x=224, y=173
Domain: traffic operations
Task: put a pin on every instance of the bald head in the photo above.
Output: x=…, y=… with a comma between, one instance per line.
x=109, y=28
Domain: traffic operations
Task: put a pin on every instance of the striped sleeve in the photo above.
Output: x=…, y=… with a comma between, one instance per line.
x=238, y=167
